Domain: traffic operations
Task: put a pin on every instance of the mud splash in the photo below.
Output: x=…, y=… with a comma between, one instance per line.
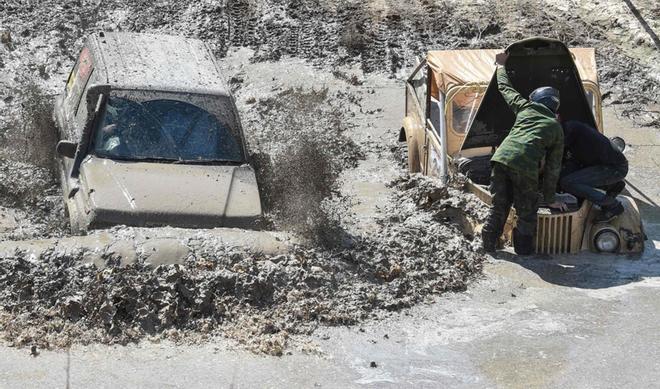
x=300, y=145
x=32, y=202
x=261, y=301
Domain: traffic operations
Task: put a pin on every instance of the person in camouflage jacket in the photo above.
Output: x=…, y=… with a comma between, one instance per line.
x=535, y=135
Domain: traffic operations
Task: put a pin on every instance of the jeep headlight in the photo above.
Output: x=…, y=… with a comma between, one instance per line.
x=618, y=143
x=607, y=241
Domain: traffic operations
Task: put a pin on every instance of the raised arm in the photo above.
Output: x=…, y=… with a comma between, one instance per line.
x=510, y=94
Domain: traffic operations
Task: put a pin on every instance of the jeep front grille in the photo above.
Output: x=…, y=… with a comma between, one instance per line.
x=554, y=235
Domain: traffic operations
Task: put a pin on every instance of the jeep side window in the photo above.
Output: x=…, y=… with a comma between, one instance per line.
x=418, y=83
x=435, y=113
x=464, y=107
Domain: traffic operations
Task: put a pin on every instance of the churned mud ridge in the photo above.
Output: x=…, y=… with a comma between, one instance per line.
x=423, y=247
x=31, y=201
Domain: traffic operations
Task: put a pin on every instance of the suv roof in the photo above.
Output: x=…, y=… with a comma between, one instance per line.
x=158, y=62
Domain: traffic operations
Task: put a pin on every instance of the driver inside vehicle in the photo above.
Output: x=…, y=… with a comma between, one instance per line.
x=165, y=130
x=108, y=138
x=129, y=131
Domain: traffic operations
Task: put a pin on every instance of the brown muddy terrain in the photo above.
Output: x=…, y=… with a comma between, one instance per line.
x=311, y=81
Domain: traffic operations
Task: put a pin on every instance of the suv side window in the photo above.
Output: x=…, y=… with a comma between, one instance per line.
x=77, y=81
x=81, y=110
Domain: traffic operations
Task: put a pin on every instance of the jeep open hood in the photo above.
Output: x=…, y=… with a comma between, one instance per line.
x=532, y=63
x=155, y=194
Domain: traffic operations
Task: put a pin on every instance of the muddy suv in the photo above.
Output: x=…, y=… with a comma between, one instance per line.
x=150, y=136
x=456, y=118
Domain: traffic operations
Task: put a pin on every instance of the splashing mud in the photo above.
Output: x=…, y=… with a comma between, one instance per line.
x=259, y=300
x=302, y=147
x=32, y=202
x=30, y=136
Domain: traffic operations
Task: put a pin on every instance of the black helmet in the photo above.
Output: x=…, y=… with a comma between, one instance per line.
x=547, y=96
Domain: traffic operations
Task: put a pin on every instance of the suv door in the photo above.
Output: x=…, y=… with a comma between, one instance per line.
x=71, y=113
x=73, y=103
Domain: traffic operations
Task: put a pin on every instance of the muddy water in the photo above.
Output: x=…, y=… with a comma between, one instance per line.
x=643, y=153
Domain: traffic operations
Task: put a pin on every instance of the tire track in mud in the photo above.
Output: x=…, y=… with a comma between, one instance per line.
x=388, y=40
x=381, y=37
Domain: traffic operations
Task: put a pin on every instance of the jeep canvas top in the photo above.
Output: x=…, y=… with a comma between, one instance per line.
x=456, y=118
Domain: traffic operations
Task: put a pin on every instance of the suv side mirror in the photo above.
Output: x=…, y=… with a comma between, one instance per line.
x=95, y=94
x=66, y=148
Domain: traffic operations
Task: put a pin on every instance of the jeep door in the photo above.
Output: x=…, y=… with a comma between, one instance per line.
x=414, y=124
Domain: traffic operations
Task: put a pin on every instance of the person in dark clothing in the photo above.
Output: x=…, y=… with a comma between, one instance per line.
x=594, y=169
x=535, y=135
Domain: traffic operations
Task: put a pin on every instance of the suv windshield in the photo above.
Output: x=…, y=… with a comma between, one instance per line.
x=163, y=128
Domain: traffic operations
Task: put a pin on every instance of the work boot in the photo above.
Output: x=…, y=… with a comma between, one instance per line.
x=489, y=241
x=608, y=213
x=522, y=244
x=616, y=189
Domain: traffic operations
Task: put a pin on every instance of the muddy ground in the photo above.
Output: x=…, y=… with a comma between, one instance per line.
x=306, y=75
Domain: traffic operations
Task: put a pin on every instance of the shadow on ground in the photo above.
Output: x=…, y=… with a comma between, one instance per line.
x=597, y=271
